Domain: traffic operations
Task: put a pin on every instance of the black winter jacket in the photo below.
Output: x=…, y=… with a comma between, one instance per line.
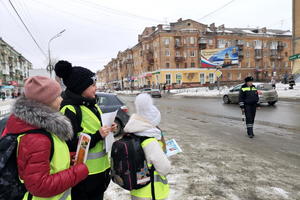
x=248, y=96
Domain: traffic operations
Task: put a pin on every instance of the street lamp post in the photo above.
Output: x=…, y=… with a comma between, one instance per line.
x=50, y=67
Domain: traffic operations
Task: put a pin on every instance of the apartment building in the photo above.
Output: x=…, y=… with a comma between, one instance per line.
x=188, y=53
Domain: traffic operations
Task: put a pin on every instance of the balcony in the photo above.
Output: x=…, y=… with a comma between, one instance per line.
x=280, y=46
x=129, y=60
x=273, y=56
x=241, y=54
x=179, y=59
x=240, y=43
x=203, y=41
x=150, y=61
x=203, y=46
x=178, y=45
x=279, y=57
x=258, y=56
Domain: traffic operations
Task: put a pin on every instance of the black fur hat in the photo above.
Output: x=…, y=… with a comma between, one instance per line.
x=76, y=79
x=249, y=79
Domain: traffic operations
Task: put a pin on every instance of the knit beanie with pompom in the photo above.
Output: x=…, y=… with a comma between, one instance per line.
x=76, y=79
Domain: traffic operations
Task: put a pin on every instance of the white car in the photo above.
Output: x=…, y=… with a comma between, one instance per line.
x=266, y=94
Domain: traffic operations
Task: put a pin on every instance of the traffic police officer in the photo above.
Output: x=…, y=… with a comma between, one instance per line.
x=248, y=100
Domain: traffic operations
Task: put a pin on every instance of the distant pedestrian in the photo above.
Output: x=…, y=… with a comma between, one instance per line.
x=291, y=82
x=248, y=100
x=273, y=82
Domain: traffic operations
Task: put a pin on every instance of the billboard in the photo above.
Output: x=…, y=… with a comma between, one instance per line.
x=222, y=57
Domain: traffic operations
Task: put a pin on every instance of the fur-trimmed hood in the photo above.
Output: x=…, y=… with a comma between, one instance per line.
x=39, y=115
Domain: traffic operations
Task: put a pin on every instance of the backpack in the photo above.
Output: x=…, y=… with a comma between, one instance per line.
x=11, y=187
x=129, y=167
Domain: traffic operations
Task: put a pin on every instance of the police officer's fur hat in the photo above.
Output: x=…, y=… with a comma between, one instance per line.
x=249, y=79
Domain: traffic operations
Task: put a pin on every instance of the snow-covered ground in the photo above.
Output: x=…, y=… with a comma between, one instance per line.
x=282, y=89
x=200, y=91
x=128, y=92
x=285, y=92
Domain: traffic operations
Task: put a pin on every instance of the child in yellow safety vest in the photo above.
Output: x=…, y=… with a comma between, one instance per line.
x=144, y=124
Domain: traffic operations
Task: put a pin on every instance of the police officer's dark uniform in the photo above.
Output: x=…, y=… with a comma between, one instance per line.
x=248, y=99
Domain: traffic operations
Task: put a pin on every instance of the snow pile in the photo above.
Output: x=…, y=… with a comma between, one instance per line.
x=284, y=91
x=128, y=92
x=201, y=91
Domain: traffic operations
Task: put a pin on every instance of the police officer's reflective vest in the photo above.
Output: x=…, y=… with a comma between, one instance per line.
x=161, y=185
x=59, y=162
x=97, y=160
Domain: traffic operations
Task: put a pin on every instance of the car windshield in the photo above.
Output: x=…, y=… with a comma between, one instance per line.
x=148, y=89
x=108, y=100
x=155, y=90
x=237, y=87
x=264, y=87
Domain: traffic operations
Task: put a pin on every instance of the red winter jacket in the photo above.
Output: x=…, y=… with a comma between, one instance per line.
x=34, y=164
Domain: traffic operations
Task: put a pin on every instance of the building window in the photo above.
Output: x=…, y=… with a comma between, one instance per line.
x=274, y=45
x=192, y=65
x=257, y=44
x=240, y=76
x=211, y=78
x=221, y=44
x=184, y=54
x=202, y=78
x=210, y=42
x=286, y=64
x=178, y=78
x=247, y=53
x=177, y=53
x=167, y=65
x=168, y=78
x=167, y=41
x=185, y=65
x=168, y=53
x=192, y=40
x=265, y=45
x=247, y=44
x=177, y=65
x=229, y=75
x=273, y=65
x=192, y=53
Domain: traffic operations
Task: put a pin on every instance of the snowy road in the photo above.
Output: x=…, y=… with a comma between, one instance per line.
x=219, y=162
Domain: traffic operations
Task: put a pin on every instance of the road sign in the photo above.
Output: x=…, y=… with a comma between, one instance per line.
x=294, y=57
x=218, y=73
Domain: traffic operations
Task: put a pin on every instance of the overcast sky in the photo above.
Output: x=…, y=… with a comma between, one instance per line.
x=97, y=29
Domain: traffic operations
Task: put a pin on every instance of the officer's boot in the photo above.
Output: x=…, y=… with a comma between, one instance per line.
x=250, y=132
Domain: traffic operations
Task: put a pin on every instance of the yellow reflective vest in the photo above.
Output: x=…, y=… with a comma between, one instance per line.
x=161, y=186
x=97, y=160
x=59, y=162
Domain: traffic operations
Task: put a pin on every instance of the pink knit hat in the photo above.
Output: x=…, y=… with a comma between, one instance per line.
x=42, y=89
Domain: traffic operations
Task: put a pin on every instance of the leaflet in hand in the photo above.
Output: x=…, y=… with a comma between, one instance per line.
x=172, y=148
x=107, y=120
x=82, y=148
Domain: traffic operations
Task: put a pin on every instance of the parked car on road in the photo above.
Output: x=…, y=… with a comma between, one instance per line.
x=266, y=94
x=109, y=102
x=153, y=92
